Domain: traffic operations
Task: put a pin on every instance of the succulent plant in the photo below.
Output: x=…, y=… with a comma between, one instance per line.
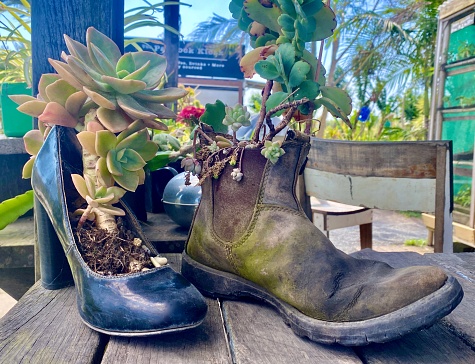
x=33, y=141
x=272, y=151
x=121, y=157
x=123, y=86
x=99, y=200
x=279, y=30
x=57, y=102
x=237, y=117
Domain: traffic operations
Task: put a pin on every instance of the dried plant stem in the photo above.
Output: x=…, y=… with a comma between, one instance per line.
x=203, y=134
x=262, y=115
x=292, y=106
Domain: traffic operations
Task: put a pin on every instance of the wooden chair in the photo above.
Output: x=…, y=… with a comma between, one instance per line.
x=399, y=176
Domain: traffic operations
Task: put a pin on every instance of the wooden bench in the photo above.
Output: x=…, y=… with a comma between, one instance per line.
x=399, y=176
x=44, y=327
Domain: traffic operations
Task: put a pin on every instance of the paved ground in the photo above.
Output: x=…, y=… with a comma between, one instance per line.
x=390, y=231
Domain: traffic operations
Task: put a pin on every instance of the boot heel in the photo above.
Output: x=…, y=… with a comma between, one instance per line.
x=55, y=272
x=214, y=283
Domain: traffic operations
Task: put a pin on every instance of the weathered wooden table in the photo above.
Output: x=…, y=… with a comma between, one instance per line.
x=44, y=327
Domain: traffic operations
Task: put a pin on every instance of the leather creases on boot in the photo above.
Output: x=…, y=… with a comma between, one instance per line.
x=254, y=236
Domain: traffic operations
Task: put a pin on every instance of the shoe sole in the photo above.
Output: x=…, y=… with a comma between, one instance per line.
x=416, y=316
x=140, y=333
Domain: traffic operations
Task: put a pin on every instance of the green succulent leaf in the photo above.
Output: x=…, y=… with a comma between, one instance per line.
x=298, y=73
x=139, y=73
x=33, y=140
x=113, y=164
x=310, y=8
x=13, y=208
x=286, y=57
x=46, y=79
x=128, y=180
x=105, y=44
x=33, y=108
x=156, y=67
x=66, y=73
x=325, y=24
x=334, y=109
x=265, y=39
x=75, y=102
x=267, y=70
x=87, y=139
x=339, y=97
x=105, y=142
x=80, y=184
x=308, y=89
x=135, y=140
x=101, y=99
x=134, y=109
x=132, y=161
x=124, y=86
x=161, y=96
x=125, y=63
x=21, y=99
x=214, y=115
x=275, y=100
x=113, y=120
x=159, y=111
x=77, y=49
x=148, y=151
x=59, y=91
x=137, y=125
x=103, y=175
x=160, y=160
x=265, y=15
x=104, y=64
x=28, y=168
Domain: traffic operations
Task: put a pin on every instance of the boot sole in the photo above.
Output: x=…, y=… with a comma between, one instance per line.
x=416, y=316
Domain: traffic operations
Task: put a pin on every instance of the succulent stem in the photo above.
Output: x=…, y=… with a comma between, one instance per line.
x=262, y=114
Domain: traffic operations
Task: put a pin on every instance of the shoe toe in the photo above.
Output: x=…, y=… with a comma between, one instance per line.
x=154, y=302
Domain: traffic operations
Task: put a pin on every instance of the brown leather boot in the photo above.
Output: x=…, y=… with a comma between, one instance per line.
x=252, y=239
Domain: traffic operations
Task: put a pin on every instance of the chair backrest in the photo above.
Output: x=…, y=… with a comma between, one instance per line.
x=404, y=176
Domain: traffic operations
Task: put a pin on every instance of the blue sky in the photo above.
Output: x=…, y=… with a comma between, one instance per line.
x=199, y=11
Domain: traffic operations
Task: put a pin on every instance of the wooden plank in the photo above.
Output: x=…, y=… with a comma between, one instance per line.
x=461, y=321
x=206, y=343
x=257, y=334
x=388, y=159
x=433, y=345
x=17, y=244
x=203, y=344
x=45, y=327
x=451, y=7
x=164, y=234
x=374, y=192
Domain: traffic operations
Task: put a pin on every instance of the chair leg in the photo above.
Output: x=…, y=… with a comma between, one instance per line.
x=430, y=237
x=366, y=236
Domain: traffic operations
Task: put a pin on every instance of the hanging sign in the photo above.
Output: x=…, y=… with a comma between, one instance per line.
x=201, y=59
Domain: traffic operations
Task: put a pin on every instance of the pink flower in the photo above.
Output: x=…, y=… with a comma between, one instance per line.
x=189, y=112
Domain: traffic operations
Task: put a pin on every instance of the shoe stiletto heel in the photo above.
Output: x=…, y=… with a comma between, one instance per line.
x=150, y=302
x=54, y=267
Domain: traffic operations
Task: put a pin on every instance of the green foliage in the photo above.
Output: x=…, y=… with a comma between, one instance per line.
x=214, y=115
x=236, y=117
x=12, y=209
x=464, y=196
x=121, y=157
x=272, y=151
x=415, y=242
x=15, y=52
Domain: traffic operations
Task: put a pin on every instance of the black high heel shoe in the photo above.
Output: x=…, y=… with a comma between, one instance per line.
x=146, y=303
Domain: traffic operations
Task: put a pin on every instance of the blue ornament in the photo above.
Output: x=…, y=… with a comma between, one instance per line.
x=364, y=114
